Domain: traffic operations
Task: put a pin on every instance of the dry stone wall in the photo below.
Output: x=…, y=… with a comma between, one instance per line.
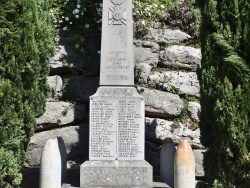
x=165, y=74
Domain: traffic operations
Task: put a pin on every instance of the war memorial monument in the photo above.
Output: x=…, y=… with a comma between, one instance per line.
x=117, y=129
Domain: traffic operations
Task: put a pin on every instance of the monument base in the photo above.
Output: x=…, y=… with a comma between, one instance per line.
x=117, y=174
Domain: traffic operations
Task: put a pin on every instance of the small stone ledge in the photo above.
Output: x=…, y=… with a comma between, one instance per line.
x=116, y=174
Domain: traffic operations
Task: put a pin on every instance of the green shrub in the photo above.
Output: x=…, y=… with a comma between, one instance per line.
x=225, y=92
x=26, y=41
x=84, y=18
x=149, y=10
x=182, y=14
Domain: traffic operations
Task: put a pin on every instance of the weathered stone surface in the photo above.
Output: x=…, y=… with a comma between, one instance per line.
x=117, y=60
x=146, y=52
x=116, y=174
x=57, y=60
x=161, y=104
x=199, y=155
x=65, y=57
x=156, y=128
x=142, y=72
x=166, y=36
x=75, y=138
x=163, y=130
x=56, y=86
x=59, y=114
x=116, y=121
x=180, y=57
x=176, y=82
x=79, y=88
x=194, y=109
x=184, y=131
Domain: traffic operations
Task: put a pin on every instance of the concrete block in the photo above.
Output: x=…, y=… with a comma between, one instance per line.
x=132, y=174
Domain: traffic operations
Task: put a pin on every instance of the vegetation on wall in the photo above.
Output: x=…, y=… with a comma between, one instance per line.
x=84, y=18
x=149, y=10
x=26, y=41
x=184, y=15
x=225, y=92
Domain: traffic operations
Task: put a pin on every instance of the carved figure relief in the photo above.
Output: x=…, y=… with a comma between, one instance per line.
x=117, y=13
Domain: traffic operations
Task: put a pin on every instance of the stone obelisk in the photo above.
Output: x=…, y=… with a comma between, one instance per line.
x=117, y=128
x=117, y=66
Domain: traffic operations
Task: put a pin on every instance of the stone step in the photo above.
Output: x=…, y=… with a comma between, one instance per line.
x=31, y=178
x=75, y=183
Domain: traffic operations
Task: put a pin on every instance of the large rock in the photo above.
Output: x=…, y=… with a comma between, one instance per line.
x=163, y=130
x=60, y=114
x=194, y=109
x=79, y=88
x=65, y=58
x=142, y=71
x=186, y=131
x=146, y=52
x=161, y=104
x=75, y=138
x=158, y=129
x=199, y=155
x=56, y=87
x=71, y=57
x=180, y=57
x=179, y=82
x=166, y=36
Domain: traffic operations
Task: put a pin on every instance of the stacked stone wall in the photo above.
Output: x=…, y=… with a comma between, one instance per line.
x=165, y=74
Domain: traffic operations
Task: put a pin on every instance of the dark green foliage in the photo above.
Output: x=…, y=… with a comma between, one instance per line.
x=225, y=92
x=26, y=41
x=81, y=21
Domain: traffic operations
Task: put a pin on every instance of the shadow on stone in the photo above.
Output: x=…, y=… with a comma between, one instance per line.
x=152, y=152
x=69, y=58
x=30, y=177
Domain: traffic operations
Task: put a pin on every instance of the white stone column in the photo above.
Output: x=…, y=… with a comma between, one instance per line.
x=50, y=165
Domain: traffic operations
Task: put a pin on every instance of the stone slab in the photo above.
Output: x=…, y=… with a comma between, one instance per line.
x=74, y=137
x=117, y=64
x=181, y=57
x=56, y=87
x=130, y=174
x=166, y=36
x=160, y=130
x=146, y=52
x=199, y=157
x=117, y=124
x=183, y=83
x=59, y=114
x=161, y=104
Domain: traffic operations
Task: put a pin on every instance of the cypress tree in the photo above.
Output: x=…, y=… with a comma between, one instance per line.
x=26, y=42
x=225, y=91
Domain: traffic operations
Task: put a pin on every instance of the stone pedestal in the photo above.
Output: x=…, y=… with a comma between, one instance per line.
x=117, y=140
x=117, y=111
x=116, y=174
